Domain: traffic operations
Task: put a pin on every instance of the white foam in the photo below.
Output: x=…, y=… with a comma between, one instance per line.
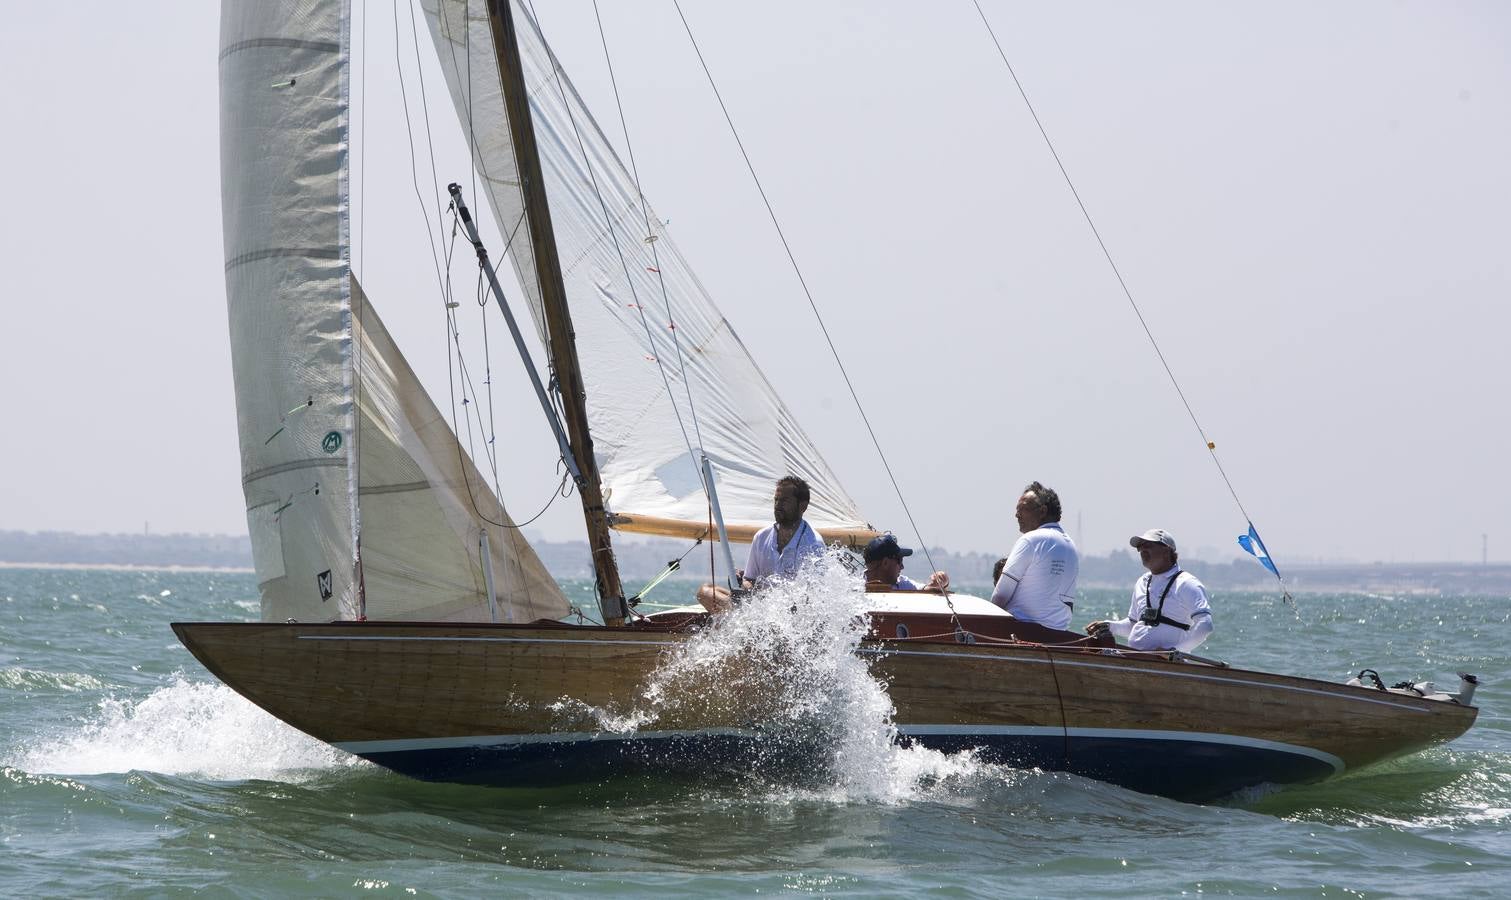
x=184, y=728
x=784, y=662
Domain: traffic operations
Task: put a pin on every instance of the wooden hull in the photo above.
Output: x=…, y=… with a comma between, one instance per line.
x=527, y=705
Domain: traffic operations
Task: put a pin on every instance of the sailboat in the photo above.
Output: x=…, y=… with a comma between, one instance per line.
x=406, y=620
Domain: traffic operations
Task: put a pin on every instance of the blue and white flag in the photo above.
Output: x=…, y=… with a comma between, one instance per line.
x=1255, y=546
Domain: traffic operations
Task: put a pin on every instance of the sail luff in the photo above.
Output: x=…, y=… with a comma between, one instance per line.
x=561, y=339
x=283, y=85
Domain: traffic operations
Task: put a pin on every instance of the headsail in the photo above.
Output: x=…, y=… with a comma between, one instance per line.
x=353, y=478
x=424, y=505
x=283, y=85
x=638, y=402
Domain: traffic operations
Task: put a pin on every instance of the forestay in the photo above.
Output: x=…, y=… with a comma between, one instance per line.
x=611, y=280
x=306, y=373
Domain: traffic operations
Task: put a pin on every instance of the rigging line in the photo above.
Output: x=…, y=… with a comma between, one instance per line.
x=490, y=448
x=435, y=181
x=469, y=388
x=362, y=153
x=454, y=336
x=462, y=457
x=802, y=281
x=487, y=381
x=477, y=162
x=482, y=302
x=649, y=234
x=618, y=250
x=1211, y=448
x=671, y=567
x=471, y=129
x=449, y=253
x=472, y=153
x=414, y=174
x=488, y=181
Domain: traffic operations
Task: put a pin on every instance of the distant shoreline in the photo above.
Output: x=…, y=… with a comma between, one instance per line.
x=125, y=567
x=645, y=558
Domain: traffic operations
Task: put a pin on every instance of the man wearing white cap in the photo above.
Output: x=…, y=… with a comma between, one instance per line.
x=1169, y=609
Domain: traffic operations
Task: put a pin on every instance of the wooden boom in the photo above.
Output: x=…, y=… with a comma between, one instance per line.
x=634, y=523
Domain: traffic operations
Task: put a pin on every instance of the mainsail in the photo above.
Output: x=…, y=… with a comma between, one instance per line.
x=643, y=394
x=359, y=500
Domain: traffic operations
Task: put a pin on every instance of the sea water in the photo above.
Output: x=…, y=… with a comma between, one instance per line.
x=126, y=769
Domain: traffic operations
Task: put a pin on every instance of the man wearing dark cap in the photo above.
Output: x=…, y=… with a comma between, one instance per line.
x=1170, y=609
x=884, y=567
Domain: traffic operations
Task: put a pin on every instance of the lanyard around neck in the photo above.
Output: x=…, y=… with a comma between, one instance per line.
x=1163, y=594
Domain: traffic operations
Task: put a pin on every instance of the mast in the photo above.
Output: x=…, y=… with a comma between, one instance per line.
x=561, y=344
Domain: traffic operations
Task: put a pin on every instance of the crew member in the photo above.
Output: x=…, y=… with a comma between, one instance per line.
x=1038, y=581
x=778, y=550
x=1169, y=609
x=884, y=568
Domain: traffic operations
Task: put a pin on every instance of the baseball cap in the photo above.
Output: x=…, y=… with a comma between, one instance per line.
x=884, y=547
x=1153, y=536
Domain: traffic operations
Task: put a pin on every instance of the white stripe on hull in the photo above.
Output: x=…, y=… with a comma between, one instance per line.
x=1200, y=737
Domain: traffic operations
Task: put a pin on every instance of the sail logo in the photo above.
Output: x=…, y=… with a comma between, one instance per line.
x=331, y=442
x=323, y=581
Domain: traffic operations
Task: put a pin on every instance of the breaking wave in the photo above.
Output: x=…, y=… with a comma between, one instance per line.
x=184, y=728
x=782, y=665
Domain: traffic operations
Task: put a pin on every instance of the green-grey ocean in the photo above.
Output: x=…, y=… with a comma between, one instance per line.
x=125, y=769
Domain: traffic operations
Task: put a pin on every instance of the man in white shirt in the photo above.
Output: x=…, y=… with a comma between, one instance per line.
x=1169, y=609
x=1038, y=582
x=776, y=551
x=884, y=568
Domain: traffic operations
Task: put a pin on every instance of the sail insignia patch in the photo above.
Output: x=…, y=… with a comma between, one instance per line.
x=323, y=581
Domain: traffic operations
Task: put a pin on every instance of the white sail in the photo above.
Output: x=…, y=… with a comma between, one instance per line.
x=425, y=505
x=283, y=83
x=638, y=403
x=328, y=411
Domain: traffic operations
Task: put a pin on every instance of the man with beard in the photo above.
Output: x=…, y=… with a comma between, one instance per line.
x=776, y=551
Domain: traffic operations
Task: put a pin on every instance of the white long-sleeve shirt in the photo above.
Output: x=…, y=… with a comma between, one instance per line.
x=1185, y=601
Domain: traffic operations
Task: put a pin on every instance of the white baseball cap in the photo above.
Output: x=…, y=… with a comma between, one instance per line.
x=1153, y=536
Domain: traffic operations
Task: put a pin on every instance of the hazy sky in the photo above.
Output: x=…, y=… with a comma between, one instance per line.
x=1309, y=201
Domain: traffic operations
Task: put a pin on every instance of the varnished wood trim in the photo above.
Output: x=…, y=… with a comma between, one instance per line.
x=1341, y=695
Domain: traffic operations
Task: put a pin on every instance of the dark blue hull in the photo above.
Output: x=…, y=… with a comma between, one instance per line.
x=1184, y=767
